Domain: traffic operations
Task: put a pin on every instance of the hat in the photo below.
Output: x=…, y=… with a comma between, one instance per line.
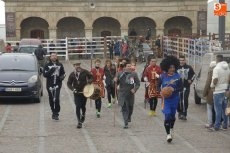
x=77, y=64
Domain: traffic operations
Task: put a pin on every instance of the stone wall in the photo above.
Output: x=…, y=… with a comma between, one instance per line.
x=123, y=12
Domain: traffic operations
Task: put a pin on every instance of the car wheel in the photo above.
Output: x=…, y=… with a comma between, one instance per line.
x=196, y=98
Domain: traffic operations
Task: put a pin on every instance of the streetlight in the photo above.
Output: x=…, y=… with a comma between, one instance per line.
x=222, y=27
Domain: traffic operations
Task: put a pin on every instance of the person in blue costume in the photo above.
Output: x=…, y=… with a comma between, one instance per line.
x=170, y=78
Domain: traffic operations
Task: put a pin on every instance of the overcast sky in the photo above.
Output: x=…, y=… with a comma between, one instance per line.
x=2, y=12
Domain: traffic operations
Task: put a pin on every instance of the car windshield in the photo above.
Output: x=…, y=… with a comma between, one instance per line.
x=27, y=49
x=17, y=64
x=146, y=46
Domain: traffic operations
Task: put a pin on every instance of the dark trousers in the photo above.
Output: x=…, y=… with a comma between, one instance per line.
x=111, y=54
x=153, y=103
x=80, y=103
x=110, y=92
x=183, y=104
x=98, y=104
x=127, y=111
x=54, y=100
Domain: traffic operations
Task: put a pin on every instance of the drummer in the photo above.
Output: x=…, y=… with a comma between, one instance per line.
x=77, y=80
x=98, y=74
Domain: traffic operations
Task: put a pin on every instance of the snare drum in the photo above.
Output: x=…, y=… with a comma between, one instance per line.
x=91, y=91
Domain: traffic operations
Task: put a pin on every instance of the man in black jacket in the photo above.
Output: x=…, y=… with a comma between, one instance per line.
x=76, y=82
x=40, y=53
x=54, y=73
x=187, y=75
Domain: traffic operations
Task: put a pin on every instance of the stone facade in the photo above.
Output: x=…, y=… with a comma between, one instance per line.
x=78, y=18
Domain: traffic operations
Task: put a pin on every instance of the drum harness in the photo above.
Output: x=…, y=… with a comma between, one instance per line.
x=53, y=89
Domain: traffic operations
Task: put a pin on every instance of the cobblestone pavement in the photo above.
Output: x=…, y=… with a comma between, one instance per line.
x=28, y=128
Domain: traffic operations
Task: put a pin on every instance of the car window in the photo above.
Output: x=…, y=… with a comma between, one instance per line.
x=146, y=46
x=17, y=64
x=27, y=49
x=227, y=59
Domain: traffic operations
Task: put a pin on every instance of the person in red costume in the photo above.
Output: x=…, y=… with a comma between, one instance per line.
x=98, y=77
x=151, y=77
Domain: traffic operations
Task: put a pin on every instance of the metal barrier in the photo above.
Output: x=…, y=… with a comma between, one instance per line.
x=192, y=49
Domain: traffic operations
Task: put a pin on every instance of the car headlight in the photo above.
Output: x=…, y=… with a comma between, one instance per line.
x=33, y=79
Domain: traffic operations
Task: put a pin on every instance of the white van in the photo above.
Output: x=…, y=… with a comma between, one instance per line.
x=201, y=77
x=29, y=45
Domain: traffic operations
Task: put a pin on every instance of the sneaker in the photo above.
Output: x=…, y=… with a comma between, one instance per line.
x=208, y=126
x=169, y=138
x=172, y=133
x=152, y=113
x=53, y=116
x=113, y=100
x=56, y=117
x=212, y=129
x=79, y=125
x=179, y=116
x=184, y=118
x=223, y=128
x=109, y=105
x=98, y=114
x=126, y=126
x=82, y=118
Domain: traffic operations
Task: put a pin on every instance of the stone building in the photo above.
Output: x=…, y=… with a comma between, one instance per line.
x=87, y=18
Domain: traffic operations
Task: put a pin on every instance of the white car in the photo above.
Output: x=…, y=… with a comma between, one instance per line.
x=201, y=77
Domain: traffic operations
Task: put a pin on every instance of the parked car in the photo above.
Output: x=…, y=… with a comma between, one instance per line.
x=143, y=52
x=201, y=77
x=28, y=45
x=20, y=76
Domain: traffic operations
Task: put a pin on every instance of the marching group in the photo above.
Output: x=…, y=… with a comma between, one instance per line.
x=169, y=81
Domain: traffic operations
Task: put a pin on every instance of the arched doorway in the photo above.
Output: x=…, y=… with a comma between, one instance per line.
x=70, y=27
x=37, y=33
x=106, y=26
x=105, y=33
x=34, y=27
x=142, y=26
x=178, y=25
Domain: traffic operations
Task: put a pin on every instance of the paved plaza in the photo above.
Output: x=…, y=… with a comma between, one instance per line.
x=28, y=128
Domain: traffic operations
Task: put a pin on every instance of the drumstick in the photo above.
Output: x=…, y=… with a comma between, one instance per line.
x=91, y=65
x=114, y=109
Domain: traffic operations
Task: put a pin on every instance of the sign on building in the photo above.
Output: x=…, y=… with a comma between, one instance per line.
x=10, y=24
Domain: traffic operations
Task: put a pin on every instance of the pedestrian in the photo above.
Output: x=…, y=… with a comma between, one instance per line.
x=158, y=46
x=111, y=49
x=151, y=77
x=51, y=45
x=8, y=48
x=170, y=78
x=54, y=73
x=124, y=48
x=133, y=65
x=220, y=82
x=187, y=75
x=117, y=48
x=208, y=93
x=110, y=72
x=16, y=47
x=98, y=77
x=77, y=80
x=129, y=83
x=40, y=53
